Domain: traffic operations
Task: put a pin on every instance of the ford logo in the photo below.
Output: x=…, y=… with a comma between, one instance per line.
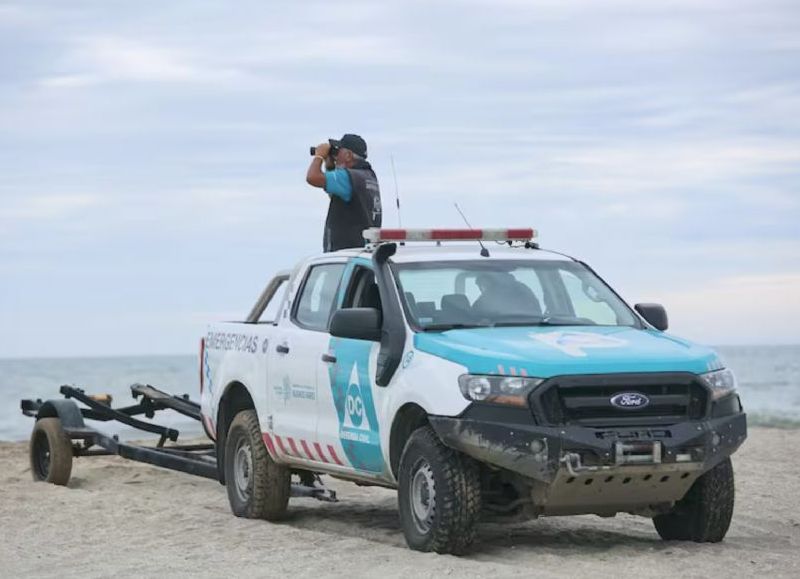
x=629, y=400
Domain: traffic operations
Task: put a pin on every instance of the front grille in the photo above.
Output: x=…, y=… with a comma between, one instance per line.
x=586, y=400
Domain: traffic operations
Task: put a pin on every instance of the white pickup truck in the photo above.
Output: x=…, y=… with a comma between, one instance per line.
x=507, y=382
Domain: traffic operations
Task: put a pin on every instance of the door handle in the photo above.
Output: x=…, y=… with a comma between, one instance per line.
x=282, y=349
x=329, y=358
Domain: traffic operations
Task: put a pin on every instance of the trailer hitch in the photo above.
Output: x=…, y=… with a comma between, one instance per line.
x=314, y=489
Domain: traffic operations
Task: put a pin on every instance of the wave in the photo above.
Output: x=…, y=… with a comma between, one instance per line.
x=772, y=420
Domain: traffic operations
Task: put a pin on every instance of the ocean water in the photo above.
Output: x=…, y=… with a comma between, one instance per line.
x=769, y=385
x=41, y=378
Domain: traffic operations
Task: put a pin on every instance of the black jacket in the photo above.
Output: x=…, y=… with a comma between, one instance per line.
x=348, y=219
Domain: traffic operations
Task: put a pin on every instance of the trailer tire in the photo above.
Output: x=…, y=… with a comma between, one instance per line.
x=50, y=452
x=439, y=495
x=704, y=514
x=258, y=488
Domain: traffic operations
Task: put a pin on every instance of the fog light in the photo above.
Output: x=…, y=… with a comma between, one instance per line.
x=537, y=446
x=715, y=439
x=683, y=458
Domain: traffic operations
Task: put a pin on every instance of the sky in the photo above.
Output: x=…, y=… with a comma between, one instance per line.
x=153, y=154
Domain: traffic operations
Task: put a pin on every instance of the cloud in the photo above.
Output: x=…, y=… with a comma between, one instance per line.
x=53, y=206
x=733, y=310
x=103, y=59
x=660, y=141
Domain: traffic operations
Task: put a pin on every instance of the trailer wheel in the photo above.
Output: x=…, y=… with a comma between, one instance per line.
x=258, y=488
x=50, y=452
x=439, y=495
x=704, y=514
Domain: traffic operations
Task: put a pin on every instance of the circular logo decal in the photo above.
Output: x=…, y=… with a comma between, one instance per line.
x=629, y=400
x=354, y=405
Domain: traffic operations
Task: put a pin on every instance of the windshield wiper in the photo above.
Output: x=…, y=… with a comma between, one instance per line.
x=541, y=322
x=459, y=326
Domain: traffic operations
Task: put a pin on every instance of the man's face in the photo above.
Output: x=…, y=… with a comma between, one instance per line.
x=343, y=158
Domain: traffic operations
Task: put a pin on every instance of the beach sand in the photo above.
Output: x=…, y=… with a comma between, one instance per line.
x=124, y=519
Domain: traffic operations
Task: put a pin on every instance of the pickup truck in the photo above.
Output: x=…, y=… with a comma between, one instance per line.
x=500, y=381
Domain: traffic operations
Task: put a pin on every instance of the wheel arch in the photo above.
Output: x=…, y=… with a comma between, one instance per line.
x=65, y=410
x=408, y=418
x=235, y=398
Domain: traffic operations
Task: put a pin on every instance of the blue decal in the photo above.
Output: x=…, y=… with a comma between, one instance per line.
x=355, y=407
x=545, y=351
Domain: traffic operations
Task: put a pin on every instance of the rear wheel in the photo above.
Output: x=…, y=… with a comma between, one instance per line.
x=705, y=513
x=50, y=452
x=258, y=488
x=439, y=495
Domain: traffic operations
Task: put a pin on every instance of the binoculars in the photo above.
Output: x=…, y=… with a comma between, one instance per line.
x=331, y=153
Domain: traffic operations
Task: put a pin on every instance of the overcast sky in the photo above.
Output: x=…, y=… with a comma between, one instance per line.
x=153, y=154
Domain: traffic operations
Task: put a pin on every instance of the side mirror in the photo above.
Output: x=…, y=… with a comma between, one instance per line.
x=655, y=314
x=357, y=324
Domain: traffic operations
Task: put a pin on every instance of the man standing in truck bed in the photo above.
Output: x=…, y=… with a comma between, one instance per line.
x=355, y=199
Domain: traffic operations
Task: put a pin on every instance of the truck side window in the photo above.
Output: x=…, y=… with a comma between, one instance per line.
x=363, y=291
x=272, y=310
x=317, y=297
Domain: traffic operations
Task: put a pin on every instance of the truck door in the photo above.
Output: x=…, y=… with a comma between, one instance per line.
x=349, y=400
x=295, y=359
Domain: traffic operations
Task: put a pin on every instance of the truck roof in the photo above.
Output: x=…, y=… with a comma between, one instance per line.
x=455, y=251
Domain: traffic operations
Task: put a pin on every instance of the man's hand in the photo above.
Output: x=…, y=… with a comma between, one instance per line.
x=315, y=176
x=323, y=149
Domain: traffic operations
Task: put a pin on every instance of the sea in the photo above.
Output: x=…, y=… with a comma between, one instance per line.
x=769, y=386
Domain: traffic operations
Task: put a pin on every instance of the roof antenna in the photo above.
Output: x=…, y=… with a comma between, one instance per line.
x=396, y=195
x=484, y=251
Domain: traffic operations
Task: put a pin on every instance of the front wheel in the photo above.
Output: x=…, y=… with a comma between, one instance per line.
x=704, y=514
x=439, y=495
x=50, y=452
x=258, y=488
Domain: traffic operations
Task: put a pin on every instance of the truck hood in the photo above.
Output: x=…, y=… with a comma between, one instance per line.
x=553, y=351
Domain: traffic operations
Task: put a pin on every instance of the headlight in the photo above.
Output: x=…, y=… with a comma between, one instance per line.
x=721, y=382
x=511, y=390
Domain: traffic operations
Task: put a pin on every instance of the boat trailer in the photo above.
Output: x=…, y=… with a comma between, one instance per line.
x=61, y=433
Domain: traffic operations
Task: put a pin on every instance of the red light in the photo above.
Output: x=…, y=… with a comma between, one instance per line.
x=521, y=233
x=393, y=234
x=456, y=234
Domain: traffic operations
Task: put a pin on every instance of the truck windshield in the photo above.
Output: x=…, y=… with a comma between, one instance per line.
x=468, y=294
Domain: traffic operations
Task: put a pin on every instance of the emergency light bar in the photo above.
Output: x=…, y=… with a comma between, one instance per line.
x=378, y=235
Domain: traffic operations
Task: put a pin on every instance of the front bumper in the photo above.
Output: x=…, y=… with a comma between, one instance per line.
x=542, y=453
x=577, y=469
x=539, y=452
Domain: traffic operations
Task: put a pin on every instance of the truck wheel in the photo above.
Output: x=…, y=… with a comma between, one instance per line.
x=51, y=452
x=704, y=514
x=439, y=495
x=258, y=488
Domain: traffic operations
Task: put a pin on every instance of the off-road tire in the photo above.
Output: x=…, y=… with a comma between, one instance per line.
x=457, y=495
x=704, y=514
x=50, y=452
x=268, y=484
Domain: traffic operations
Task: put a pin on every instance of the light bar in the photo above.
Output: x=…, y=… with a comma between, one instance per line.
x=378, y=235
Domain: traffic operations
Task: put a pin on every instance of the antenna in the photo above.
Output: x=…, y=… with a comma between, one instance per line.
x=396, y=194
x=484, y=251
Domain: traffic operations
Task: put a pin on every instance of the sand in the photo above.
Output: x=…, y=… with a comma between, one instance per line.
x=123, y=519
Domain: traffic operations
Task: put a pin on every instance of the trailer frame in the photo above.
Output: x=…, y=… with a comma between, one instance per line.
x=195, y=459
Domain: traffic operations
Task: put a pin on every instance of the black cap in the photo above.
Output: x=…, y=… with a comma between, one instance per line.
x=351, y=142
